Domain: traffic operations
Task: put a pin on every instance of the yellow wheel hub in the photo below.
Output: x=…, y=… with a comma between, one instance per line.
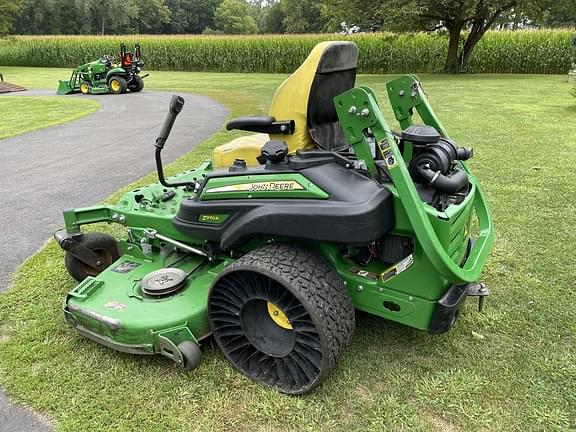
x=84, y=88
x=278, y=316
x=115, y=85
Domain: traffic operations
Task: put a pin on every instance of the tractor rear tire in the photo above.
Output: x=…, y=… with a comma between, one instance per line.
x=136, y=85
x=117, y=85
x=103, y=244
x=282, y=316
x=85, y=87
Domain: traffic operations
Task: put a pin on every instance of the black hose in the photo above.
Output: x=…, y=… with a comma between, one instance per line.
x=450, y=184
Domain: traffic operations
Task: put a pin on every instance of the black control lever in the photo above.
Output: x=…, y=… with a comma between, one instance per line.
x=176, y=104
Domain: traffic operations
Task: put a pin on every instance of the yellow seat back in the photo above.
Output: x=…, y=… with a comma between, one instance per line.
x=305, y=97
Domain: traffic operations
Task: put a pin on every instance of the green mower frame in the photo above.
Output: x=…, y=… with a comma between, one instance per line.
x=425, y=288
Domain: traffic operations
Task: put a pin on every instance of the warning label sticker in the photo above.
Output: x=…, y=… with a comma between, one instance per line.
x=398, y=268
x=125, y=267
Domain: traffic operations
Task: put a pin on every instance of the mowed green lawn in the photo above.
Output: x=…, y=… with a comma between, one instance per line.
x=24, y=114
x=511, y=368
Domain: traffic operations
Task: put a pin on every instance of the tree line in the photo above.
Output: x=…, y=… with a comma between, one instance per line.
x=463, y=21
x=271, y=16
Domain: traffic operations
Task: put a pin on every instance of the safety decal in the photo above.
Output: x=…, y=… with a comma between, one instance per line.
x=115, y=305
x=389, y=158
x=397, y=269
x=125, y=267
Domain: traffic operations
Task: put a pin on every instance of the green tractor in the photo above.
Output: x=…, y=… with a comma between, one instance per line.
x=271, y=253
x=106, y=76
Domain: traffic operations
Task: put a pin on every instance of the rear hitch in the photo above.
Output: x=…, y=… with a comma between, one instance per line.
x=478, y=289
x=448, y=306
x=72, y=243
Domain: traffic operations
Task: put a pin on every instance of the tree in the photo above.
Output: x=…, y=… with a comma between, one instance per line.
x=190, y=16
x=150, y=16
x=553, y=13
x=10, y=11
x=472, y=17
x=302, y=16
x=235, y=17
x=273, y=19
x=368, y=14
x=112, y=16
x=476, y=15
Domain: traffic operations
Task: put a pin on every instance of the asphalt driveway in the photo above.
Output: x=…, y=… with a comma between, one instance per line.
x=78, y=164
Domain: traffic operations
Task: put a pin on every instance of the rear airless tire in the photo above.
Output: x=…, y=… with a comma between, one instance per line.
x=282, y=316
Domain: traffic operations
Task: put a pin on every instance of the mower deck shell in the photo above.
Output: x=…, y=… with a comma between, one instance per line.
x=112, y=309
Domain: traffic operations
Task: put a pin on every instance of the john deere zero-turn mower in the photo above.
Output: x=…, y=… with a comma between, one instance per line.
x=106, y=76
x=270, y=248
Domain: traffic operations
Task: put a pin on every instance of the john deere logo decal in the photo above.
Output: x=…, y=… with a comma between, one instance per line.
x=290, y=185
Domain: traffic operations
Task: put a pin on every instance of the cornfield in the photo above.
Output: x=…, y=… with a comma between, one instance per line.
x=529, y=51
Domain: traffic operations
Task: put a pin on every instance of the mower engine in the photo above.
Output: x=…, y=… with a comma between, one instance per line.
x=434, y=166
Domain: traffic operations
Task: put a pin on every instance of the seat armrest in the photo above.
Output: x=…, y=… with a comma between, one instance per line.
x=264, y=124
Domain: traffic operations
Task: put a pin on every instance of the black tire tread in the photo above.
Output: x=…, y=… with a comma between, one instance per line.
x=122, y=81
x=137, y=85
x=317, y=286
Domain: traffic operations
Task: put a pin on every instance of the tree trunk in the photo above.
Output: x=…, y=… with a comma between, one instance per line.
x=467, y=50
x=479, y=28
x=452, y=61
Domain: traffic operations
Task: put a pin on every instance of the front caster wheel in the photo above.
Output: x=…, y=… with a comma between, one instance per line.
x=103, y=244
x=191, y=355
x=281, y=316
